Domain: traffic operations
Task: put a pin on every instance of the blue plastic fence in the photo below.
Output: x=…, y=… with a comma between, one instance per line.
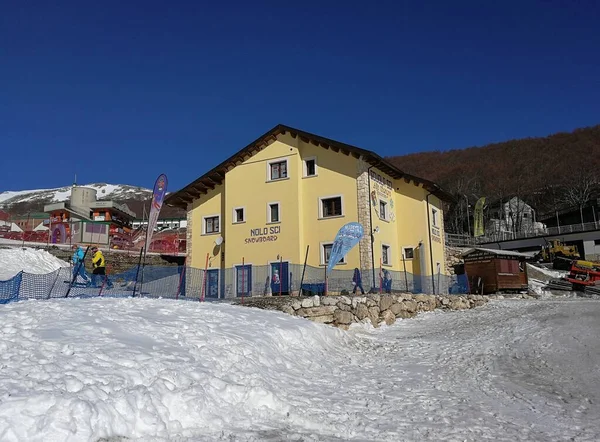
x=215, y=284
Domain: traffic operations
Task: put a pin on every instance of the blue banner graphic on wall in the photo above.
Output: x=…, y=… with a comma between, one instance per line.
x=347, y=237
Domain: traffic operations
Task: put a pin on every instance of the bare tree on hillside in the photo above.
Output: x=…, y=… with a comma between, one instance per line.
x=499, y=193
x=520, y=178
x=25, y=207
x=462, y=189
x=553, y=200
x=580, y=190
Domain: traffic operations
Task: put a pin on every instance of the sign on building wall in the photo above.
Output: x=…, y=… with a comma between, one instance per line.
x=262, y=235
x=382, y=190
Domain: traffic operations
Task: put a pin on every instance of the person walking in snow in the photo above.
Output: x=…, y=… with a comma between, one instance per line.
x=79, y=264
x=99, y=264
x=357, y=281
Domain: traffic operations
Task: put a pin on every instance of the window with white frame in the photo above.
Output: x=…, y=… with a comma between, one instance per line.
x=331, y=206
x=278, y=170
x=434, y=217
x=273, y=213
x=211, y=224
x=310, y=167
x=409, y=252
x=239, y=215
x=386, y=258
x=383, y=212
x=326, y=254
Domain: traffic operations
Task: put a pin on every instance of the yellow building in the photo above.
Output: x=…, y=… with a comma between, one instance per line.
x=290, y=191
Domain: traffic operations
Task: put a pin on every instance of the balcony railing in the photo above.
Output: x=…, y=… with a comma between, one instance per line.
x=456, y=240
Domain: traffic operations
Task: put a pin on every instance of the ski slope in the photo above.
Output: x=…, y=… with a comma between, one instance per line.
x=160, y=370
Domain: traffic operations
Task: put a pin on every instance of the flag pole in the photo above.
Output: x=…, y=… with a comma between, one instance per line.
x=243, y=278
x=26, y=225
x=405, y=277
x=280, y=274
x=380, y=276
x=204, y=279
x=49, y=232
x=301, y=291
x=137, y=272
x=158, y=193
x=143, y=256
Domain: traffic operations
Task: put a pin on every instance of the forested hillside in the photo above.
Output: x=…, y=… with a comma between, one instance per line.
x=549, y=173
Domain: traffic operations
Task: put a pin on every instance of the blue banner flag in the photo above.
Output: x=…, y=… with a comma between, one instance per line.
x=347, y=237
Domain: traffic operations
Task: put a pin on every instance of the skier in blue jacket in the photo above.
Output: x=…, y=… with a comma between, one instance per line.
x=79, y=270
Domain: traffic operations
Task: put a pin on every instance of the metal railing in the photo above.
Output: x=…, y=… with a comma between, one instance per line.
x=171, y=242
x=457, y=240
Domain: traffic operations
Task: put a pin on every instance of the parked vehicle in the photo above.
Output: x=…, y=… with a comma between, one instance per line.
x=559, y=254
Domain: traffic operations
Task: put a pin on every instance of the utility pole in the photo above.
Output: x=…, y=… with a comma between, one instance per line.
x=468, y=219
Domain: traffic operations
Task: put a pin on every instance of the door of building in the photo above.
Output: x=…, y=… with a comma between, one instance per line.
x=243, y=280
x=280, y=281
x=212, y=284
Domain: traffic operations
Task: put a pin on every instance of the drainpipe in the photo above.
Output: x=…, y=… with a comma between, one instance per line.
x=430, y=247
x=371, y=222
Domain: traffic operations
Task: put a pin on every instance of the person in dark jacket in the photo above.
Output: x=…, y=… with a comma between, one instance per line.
x=357, y=282
x=387, y=281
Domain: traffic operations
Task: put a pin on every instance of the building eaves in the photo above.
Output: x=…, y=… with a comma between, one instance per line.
x=216, y=175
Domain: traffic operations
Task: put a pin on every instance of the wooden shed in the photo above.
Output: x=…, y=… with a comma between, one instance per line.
x=491, y=271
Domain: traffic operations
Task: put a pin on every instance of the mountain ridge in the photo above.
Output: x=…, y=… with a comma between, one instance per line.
x=118, y=192
x=21, y=202
x=550, y=173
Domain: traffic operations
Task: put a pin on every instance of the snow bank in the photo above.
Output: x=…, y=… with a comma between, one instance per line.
x=77, y=370
x=12, y=261
x=539, y=288
x=551, y=274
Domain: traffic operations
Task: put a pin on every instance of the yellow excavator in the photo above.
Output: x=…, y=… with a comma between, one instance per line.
x=559, y=254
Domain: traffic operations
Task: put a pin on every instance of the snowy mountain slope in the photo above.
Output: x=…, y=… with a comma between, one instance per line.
x=117, y=192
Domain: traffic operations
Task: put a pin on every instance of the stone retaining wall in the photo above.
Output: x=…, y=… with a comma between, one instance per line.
x=341, y=311
x=117, y=261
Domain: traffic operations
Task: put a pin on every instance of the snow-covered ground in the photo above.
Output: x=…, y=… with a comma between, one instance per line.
x=539, y=276
x=549, y=273
x=141, y=369
x=15, y=260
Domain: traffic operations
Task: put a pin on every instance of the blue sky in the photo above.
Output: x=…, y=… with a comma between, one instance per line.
x=119, y=92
